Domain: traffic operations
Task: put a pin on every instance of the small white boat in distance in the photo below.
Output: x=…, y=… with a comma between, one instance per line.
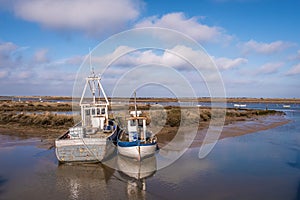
x=137, y=142
x=286, y=106
x=239, y=105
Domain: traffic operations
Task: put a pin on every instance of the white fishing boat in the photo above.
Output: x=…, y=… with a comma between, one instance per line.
x=137, y=141
x=91, y=140
x=286, y=106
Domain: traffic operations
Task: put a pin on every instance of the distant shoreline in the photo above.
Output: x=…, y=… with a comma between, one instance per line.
x=149, y=99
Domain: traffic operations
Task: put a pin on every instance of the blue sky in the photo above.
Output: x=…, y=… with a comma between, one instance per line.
x=254, y=43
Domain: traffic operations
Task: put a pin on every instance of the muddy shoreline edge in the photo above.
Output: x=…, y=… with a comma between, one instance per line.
x=27, y=120
x=232, y=128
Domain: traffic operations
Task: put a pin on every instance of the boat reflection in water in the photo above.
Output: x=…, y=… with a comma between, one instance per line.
x=135, y=173
x=99, y=181
x=79, y=181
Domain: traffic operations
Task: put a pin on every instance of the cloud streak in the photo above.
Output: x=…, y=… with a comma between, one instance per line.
x=296, y=56
x=269, y=68
x=228, y=63
x=295, y=70
x=41, y=56
x=6, y=53
x=264, y=48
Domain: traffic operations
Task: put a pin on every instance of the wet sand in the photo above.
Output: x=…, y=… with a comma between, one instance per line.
x=42, y=137
x=232, y=128
x=254, y=125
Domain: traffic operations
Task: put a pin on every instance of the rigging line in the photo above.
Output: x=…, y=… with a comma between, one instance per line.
x=91, y=87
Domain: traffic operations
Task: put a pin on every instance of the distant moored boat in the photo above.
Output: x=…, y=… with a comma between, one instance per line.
x=239, y=105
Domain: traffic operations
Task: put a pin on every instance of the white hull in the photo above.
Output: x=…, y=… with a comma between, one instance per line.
x=84, y=149
x=137, y=169
x=137, y=152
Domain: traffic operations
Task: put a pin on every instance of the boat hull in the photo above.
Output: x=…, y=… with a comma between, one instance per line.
x=84, y=149
x=137, y=151
x=136, y=169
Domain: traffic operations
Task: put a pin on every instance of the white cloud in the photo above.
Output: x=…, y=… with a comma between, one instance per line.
x=189, y=26
x=104, y=60
x=235, y=82
x=295, y=56
x=91, y=16
x=3, y=74
x=41, y=56
x=75, y=60
x=52, y=75
x=19, y=68
x=227, y=63
x=298, y=54
x=295, y=70
x=6, y=49
x=23, y=75
x=179, y=57
x=140, y=57
x=265, y=48
x=269, y=68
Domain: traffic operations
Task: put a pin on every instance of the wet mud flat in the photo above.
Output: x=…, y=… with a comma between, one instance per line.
x=46, y=127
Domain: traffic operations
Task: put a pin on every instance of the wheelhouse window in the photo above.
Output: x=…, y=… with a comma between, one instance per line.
x=132, y=123
x=140, y=122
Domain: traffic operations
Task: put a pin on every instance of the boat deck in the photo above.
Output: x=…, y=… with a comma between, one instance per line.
x=98, y=134
x=89, y=133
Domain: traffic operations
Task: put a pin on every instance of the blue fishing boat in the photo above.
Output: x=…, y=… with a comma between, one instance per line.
x=137, y=141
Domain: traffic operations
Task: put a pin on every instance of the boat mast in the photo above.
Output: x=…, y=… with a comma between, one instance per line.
x=93, y=76
x=135, y=110
x=135, y=106
x=93, y=81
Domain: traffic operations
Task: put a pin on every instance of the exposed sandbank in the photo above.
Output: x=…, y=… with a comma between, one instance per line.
x=19, y=119
x=239, y=128
x=232, y=128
